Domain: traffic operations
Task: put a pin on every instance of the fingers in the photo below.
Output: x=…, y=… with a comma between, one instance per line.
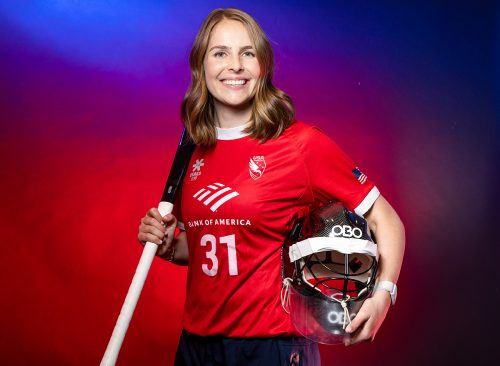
x=170, y=223
x=154, y=213
x=169, y=220
x=364, y=333
x=358, y=329
x=157, y=229
x=149, y=221
x=151, y=228
x=357, y=322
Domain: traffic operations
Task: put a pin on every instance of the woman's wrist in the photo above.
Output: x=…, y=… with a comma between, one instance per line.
x=168, y=255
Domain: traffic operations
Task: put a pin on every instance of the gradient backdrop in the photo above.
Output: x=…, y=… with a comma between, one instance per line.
x=89, y=97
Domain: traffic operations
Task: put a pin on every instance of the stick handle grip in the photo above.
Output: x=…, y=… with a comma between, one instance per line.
x=134, y=291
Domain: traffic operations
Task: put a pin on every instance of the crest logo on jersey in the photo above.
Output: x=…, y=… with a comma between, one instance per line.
x=359, y=175
x=256, y=167
x=215, y=195
x=196, y=171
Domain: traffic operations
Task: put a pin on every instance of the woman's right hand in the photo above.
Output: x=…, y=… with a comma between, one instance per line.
x=158, y=230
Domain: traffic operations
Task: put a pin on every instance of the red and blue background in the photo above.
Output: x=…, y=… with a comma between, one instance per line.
x=89, y=97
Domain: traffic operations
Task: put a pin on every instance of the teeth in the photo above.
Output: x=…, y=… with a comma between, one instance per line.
x=234, y=82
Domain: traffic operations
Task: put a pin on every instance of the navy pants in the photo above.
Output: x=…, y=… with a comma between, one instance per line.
x=194, y=350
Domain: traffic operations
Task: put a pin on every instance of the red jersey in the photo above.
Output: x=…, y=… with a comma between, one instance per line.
x=237, y=202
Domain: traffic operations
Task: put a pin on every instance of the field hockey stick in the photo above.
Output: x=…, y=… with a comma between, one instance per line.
x=177, y=171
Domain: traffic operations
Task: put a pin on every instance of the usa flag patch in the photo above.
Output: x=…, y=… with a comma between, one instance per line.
x=359, y=175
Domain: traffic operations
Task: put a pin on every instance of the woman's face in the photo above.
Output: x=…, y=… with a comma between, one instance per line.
x=231, y=66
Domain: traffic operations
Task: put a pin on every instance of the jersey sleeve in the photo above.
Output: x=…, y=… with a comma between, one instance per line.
x=333, y=175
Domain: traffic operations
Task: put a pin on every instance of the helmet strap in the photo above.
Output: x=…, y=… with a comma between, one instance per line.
x=347, y=316
x=285, y=294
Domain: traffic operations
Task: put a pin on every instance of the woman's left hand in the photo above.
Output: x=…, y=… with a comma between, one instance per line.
x=367, y=322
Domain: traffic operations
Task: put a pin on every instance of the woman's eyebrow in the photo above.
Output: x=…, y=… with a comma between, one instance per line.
x=220, y=47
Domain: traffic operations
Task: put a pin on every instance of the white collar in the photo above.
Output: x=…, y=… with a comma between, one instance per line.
x=232, y=133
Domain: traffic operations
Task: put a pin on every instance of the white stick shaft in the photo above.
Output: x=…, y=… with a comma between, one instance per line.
x=134, y=291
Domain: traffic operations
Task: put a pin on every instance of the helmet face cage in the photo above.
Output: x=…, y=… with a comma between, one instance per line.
x=334, y=274
x=330, y=264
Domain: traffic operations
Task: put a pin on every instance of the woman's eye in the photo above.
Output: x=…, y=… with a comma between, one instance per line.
x=249, y=54
x=219, y=54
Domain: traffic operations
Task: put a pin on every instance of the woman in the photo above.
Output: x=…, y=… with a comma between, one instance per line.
x=253, y=169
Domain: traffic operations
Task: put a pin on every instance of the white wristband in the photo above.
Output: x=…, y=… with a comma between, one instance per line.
x=389, y=287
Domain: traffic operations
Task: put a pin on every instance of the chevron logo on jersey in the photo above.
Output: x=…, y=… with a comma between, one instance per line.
x=215, y=195
x=359, y=175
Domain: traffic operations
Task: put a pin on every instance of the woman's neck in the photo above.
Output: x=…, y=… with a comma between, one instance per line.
x=229, y=117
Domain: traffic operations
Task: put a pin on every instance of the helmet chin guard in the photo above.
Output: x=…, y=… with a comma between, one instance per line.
x=329, y=264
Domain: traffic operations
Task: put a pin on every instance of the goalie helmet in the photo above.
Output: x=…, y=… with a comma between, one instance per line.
x=329, y=264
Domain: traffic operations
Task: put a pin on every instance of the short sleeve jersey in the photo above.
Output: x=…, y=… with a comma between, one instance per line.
x=237, y=202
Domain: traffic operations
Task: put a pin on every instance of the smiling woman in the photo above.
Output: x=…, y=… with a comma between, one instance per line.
x=231, y=73
x=231, y=48
x=253, y=171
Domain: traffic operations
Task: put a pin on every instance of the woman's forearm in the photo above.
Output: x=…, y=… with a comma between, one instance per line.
x=390, y=235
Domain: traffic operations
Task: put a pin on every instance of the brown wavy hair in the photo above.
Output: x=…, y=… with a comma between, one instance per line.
x=272, y=111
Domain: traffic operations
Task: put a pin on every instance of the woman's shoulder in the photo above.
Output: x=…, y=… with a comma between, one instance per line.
x=304, y=132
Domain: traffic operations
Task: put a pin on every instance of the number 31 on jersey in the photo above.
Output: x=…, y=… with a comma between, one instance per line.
x=210, y=241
